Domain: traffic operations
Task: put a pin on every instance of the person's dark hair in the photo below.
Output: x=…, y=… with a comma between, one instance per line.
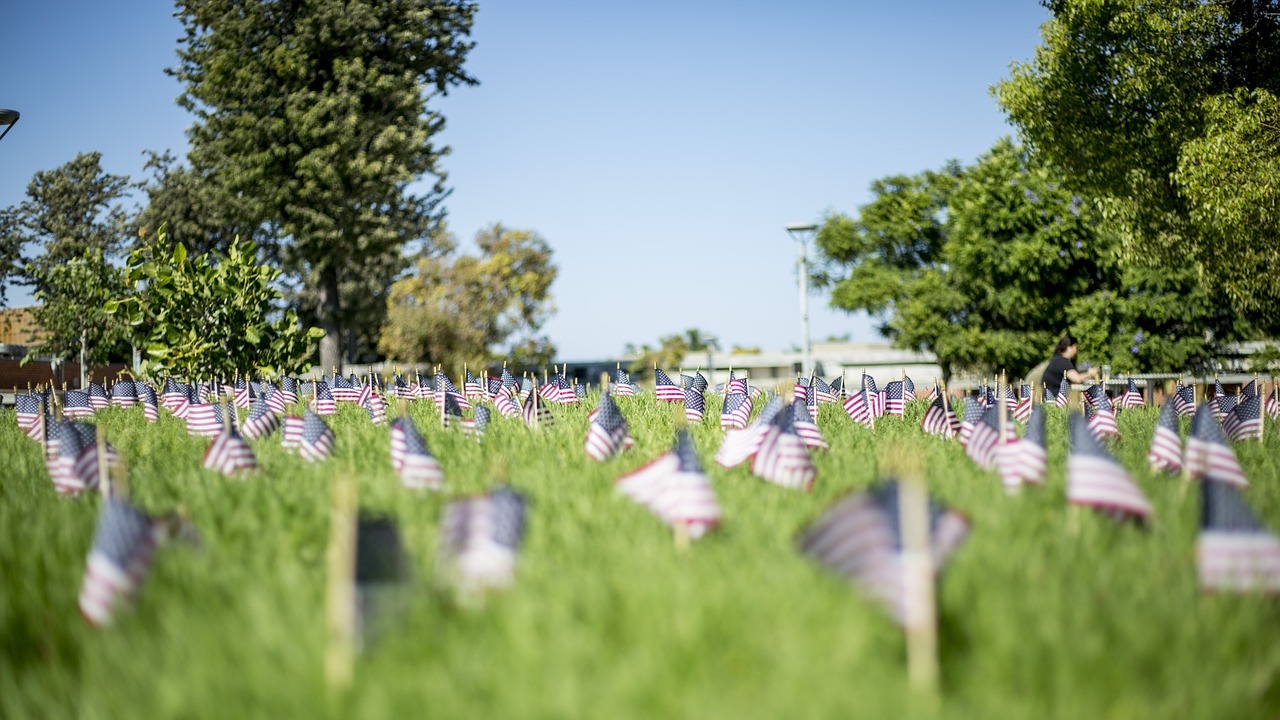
x=1066, y=342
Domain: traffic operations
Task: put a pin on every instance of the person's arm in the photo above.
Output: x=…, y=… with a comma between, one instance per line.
x=1076, y=376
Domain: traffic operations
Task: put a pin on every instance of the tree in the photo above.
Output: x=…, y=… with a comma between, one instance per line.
x=1137, y=103
x=1015, y=260
x=316, y=116
x=196, y=207
x=72, y=295
x=457, y=308
x=71, y=210
x=209, y=316
x=672, y=349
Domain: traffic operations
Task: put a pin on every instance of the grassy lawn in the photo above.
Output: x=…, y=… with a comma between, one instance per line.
x=607, y=619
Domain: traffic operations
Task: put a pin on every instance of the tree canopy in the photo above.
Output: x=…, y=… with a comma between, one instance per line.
x=315, y=117
x=986, y=266
x=1166, y=112
x=456, y=308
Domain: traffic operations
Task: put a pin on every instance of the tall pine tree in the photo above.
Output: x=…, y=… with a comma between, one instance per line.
x=316, y=116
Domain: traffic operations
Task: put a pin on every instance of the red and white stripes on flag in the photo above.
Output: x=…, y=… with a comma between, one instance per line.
x=675, y=488
x=229, y=454
x=1234, y=551
x=123, y=544
x=1207, y=452
x=782, y=457
x=1165, y=454
x=1097, y=480
x=413, y=462
x=608, y=433
x=860, y=538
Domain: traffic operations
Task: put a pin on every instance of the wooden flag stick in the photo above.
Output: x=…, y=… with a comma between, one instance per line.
x=920, y=618
x=340, y=595
x=104, y=477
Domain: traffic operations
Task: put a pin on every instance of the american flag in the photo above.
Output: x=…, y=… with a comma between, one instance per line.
x=229, y=454
x=343, y=390
x=400, y=388
x=695, y=405
x=1102, y=422
x=860, y=538
x=1029, y=452
x=894, y=400
x=699, y=382
x=973, y=410
x=1273, y=402
x=150, y=404
x=940, y=420
x=608, y=434
x=452, y=410
x=471, y=385
x=1251, y=388
x=412, y=460
x=736, y=385
x=782, y=457
x=666, y=390
x=317, y=439
x=98, y=396
x=174, y=393
x=1207, y=452
x=536, y=413
x=807, y=429
x=123, y=393
x=858, y=409
x=1244, y=422
x=73, y=457
x=118, y=561
x=508, y=380
x=479, y=539
x=675, y=488
x=377, y=409
x=1166, y=445
x=875, y=398
x=1234, y=551
x=736, y=412
x=478, y=423
x=503, y=403
x=274, y=398
x=493, y=386
x=364, y=391
x=380, y=565
x=741, y=445
x=1064, y=393
x=290, y=432
x=1132, y=397
x=182, y=407
x=446, y=389
x=622, y=385
x=1220, y=400
x=908, y=388
x=1095, y=396
x=984, y=439
x=204, y=419
x=1022, y=411
x=1095, y=479
x=1184, y=400
x=1225, y=405
x=261, y=421
x=801, y=388
x=243, y=396
x=323, y=403
x=30, y=406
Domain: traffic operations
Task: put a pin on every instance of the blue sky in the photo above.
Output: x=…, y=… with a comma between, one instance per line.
x=660, y=147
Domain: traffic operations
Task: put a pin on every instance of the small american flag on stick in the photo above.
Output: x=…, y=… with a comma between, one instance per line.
x=1234, y=551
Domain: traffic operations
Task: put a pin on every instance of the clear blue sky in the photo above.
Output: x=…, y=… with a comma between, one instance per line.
x=660, y=147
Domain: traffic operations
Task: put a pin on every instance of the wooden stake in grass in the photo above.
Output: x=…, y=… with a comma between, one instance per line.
x=680, y=529
x=919, y=602
x=340, y=595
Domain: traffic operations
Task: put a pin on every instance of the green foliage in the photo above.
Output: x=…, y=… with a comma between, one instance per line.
x=70, y=210
x=316, y=116
x=72, y=295
x=987, y=266
x=672, y=349
x=210, y=315
x=1161, y=110
x=461, y=308
x=607, y=618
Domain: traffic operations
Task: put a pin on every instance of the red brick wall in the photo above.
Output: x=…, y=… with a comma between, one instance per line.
x=16, y=376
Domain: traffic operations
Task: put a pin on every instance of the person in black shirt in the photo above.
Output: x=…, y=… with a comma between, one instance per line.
x=1063, y=364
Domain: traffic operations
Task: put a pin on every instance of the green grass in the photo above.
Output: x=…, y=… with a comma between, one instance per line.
x=607, y=618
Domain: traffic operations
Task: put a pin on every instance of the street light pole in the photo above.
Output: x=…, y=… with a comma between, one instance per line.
x=8, y=118
x=801, y=233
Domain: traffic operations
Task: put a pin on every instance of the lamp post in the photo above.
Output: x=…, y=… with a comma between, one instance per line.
x=8, y=118
x=801, y=234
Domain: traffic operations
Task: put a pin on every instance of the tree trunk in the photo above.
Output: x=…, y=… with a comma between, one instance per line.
x=328, y=312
